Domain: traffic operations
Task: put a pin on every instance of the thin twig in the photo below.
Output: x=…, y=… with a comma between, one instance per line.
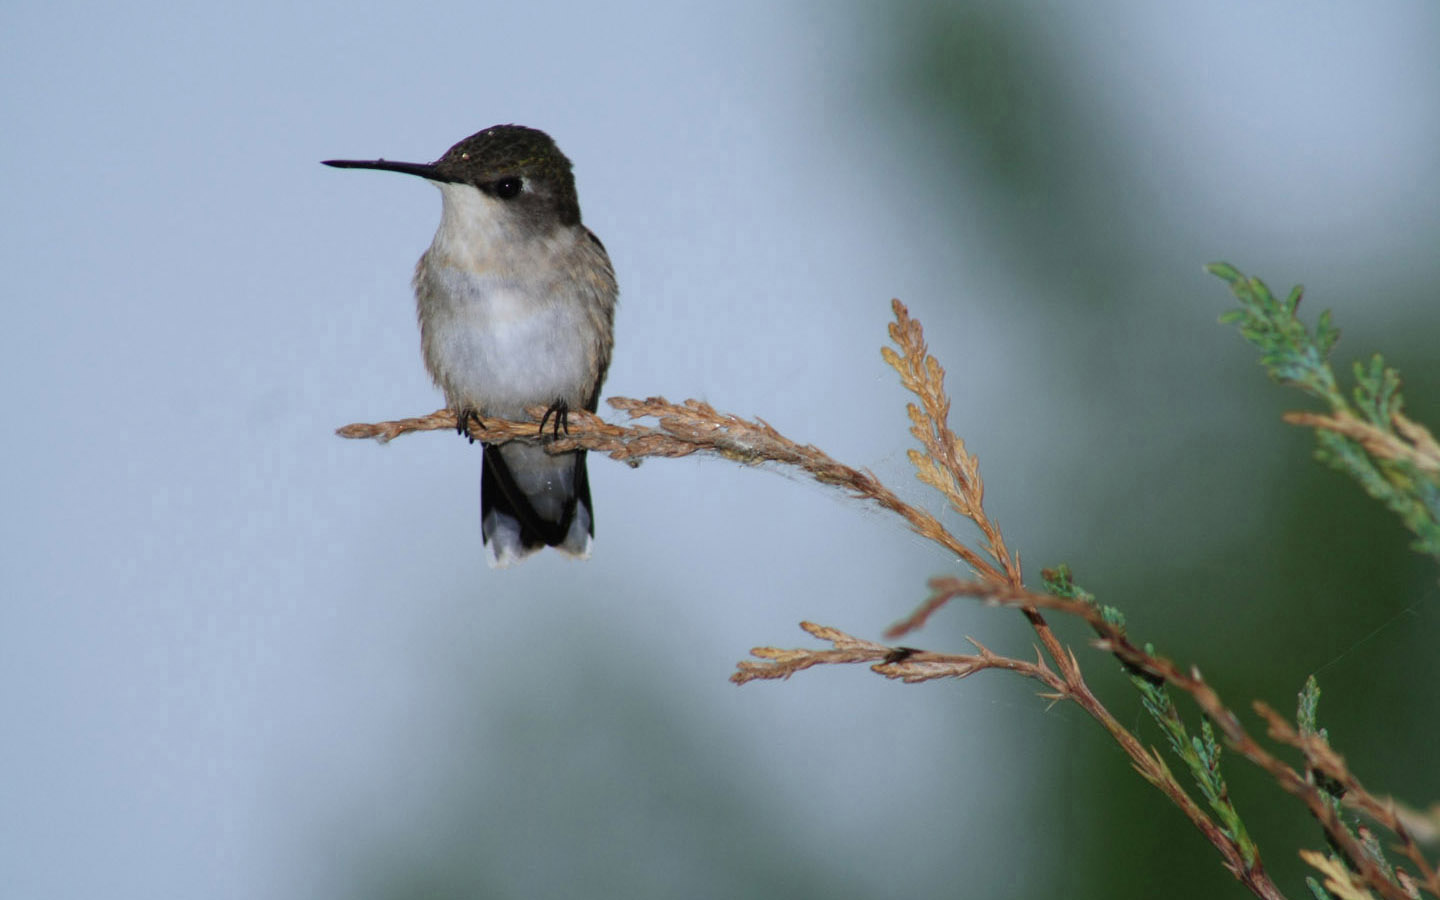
x=1321, y=758
x=902, y=663
x=1114, y=640
x=1422, y=451
x=680, y=430
x=943, y=462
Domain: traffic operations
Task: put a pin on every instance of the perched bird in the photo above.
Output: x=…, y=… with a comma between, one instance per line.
x=516, y=302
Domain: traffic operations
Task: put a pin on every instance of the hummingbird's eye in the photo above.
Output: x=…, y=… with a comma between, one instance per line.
x=508, y=186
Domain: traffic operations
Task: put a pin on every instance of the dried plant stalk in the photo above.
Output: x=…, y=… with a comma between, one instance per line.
x=943, y=462
x=682, y=429
x=1421, y=451
x=902, y=663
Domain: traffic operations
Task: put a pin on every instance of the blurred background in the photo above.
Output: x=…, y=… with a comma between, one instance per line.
x=240, y=657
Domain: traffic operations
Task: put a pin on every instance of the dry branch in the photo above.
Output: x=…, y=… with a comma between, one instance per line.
x=680, y=430
x=1413, y=444
x=902, y=663
x=659, y=428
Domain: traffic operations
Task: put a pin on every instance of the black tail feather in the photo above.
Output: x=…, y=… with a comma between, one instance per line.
x=502, y=497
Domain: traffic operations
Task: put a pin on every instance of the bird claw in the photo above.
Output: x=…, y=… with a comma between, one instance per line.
x=463, y=420
x=561, y=411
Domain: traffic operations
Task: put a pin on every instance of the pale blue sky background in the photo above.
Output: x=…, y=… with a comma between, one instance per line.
x=240, y=657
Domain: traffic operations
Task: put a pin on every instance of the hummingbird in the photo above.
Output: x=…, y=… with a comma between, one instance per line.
x=516, y=301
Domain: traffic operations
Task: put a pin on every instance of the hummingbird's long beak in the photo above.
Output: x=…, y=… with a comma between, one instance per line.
x=424, y=170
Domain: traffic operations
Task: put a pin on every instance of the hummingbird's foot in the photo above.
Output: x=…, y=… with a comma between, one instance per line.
x=561, y=411
x=462, y=423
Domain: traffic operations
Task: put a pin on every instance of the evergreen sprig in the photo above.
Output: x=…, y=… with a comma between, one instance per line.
x=1368, y=436
x=1200, y=753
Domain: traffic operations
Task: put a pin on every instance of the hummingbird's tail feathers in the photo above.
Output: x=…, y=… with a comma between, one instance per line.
x=530, y=499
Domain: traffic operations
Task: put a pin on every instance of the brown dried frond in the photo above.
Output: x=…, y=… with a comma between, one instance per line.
x=1421, y=451
x=901, y=663
x=917, y=665
x=1407, y=883
x=780, y=663
x=680, y=430
x=939, y=596
x=945, y=464
x=1422, y=824
x=1339, y=881
x=1422, y=440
